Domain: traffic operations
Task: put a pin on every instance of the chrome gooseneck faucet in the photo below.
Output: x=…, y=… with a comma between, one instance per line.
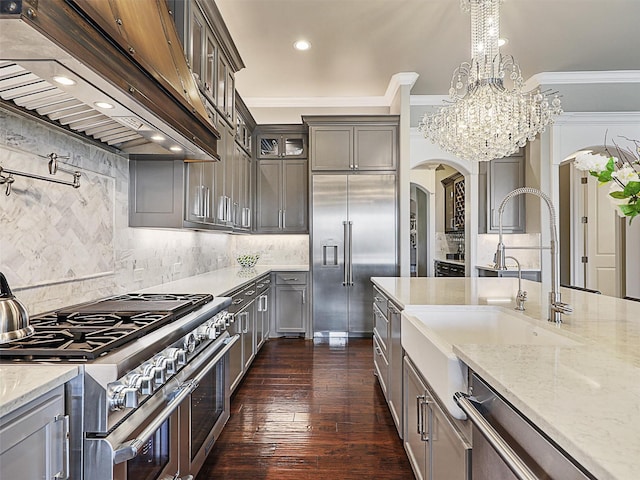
x=556, y=307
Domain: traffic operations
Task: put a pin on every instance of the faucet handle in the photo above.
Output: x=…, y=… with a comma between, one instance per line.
x=563, y=308
x=521, y=297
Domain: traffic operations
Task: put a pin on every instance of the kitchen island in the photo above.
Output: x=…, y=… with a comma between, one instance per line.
x=584, y=397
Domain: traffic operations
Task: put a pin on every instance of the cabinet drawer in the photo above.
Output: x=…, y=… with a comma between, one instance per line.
x=380, y=364
x=381, y=328
x=291, y=278
x=379, y=300
x=242, y=297
x=263, y=284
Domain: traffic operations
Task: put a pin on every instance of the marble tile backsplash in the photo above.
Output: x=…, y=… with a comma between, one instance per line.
x=60, y=245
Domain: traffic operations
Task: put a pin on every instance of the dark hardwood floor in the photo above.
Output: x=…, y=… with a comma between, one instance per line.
x=308, y=411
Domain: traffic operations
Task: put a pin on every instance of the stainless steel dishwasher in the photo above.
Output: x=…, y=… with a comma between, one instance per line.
x=508, y=446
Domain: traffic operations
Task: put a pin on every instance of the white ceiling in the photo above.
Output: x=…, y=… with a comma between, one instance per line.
x=358, y=45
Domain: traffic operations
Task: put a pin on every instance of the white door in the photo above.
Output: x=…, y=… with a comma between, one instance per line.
x=600, y=238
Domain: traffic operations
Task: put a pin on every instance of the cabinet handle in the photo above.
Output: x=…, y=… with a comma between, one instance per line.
x=64, y=473
x=279, y=218
x=245, y=316
x=421, y=402
x=425, y=436
x=304, y=296
x=249, y=293
x=284, y=219
x=290, y=279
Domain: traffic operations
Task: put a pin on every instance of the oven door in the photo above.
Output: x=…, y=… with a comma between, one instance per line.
x=147, y=445
x=203, y=415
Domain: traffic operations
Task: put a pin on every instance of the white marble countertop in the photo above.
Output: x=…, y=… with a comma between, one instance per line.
x=223, y=281
x=19, y=384
x=586, y=398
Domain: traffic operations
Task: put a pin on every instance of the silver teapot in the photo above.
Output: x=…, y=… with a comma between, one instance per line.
x=14, y=319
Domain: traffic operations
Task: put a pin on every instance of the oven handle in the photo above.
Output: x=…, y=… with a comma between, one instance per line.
x=129, y=449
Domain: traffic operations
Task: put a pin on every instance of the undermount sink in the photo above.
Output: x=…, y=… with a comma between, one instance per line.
x=429, y=333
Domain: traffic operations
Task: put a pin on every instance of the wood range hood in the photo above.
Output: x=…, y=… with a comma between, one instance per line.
x=125, y=53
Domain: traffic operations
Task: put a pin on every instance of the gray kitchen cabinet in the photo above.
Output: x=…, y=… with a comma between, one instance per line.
x=35, y=439
x=436, y=449
x=388, y=353
x=281, y=200
x=216, y=195
x=210, y=51
x=448, y=269
x=263, y=310
x=168, y=193
x=395, y=356
x=244, y=324
x=353, y=143
x=496, y=179
x=291, y=307
x=281, y=141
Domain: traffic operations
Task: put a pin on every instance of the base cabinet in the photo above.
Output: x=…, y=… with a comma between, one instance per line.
x=436, y=449
x=263, y=310
x=388, y=353
x=35, y=439
x=244, y=324
x=291, y=307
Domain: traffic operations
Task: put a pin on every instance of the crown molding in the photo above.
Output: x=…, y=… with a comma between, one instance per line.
x=583, y=78
x=598, y=118
x=398, y=80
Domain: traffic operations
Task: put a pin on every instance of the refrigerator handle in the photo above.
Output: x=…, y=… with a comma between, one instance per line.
x=347, y=253
x=350, y=279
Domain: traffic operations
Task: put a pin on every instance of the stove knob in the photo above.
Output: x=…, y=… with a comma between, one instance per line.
x=142, y=383
x=161, y=369
x=228, y=318
x=206, y=331
x=149, y=376
x=190, y=343
x=178, y=357
x=122, y=397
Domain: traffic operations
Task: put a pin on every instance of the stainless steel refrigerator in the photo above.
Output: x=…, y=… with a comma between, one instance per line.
x=353, y=238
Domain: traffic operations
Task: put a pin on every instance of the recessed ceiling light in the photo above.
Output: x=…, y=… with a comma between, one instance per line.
x=157, y=138
x=302, y=45
x=175, y=148
x=62, y=80
x=103, y=105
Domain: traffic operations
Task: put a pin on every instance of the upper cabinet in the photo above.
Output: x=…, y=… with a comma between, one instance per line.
x=276, y=144
x=365, y=143
x=210, y=51
x=281, y=179
x=165, y=192
x=496, y=179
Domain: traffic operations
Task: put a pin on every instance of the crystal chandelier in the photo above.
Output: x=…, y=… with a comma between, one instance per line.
x=489, y=116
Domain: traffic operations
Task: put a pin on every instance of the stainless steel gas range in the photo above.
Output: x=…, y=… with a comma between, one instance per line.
x=154, y=391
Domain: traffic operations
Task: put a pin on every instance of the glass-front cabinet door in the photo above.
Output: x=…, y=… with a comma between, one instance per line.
x=210, y=64
x=282, y=146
